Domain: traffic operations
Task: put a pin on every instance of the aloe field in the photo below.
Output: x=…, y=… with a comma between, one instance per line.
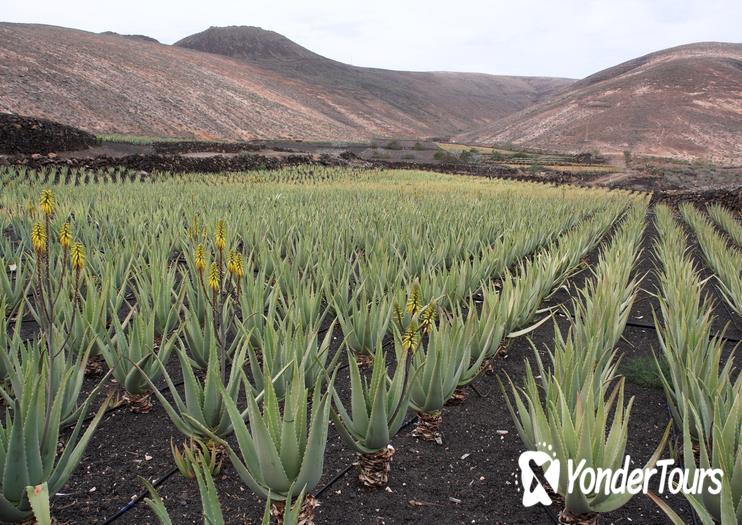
x=340, y=346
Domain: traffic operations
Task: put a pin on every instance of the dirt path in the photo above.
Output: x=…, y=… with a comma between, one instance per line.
x=612, y=178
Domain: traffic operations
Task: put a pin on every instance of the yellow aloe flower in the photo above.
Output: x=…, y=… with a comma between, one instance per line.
x=65, y=235
x=200, y=259
x=239, y=267
x=77, y=257
x=414, y=301
x=411, y=337
x=221, y=235
x=428, y=317
x=231, y=263
x=47, y=202
x=38, y=238
x=214, y=277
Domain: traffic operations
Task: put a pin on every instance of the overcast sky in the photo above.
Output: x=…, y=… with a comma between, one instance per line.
x=568, y=38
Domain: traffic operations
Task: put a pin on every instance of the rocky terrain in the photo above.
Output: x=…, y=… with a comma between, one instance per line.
x=108, y=83
x=245, y=83
x=31, y=135
x=683, y=102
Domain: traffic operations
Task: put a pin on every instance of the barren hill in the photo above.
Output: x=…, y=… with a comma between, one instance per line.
x=438, y=102
x=268, y=87
x=684, y=102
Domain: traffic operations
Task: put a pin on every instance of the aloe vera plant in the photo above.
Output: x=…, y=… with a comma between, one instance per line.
x=365, y=323
x=200, y=337
x=280, y=450
x=258, y=304
x=378, y=408
x=194, y=452
x=202, y=411
x=157, y=296
x=65, y=370
x=722, y=257
x=437, y=368
x=727, y=221
x=211, y=508
x=282, y=346
x=10, y=341
x=14, y=279
x=90, y=320
x=305, y=310
x=593, y=428
x=722, y=451
x=288, y=512
x=704, y=398
x=482, y=334
x=135, y=358
x=29, y=453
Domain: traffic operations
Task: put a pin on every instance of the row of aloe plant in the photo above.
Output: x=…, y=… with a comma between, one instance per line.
x=727, y=221
x=572, y=406
x=704, y=397
x=722, y=257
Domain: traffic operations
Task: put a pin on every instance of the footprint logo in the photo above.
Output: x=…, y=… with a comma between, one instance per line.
x=535, y=493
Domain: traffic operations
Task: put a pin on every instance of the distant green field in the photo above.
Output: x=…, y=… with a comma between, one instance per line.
x=572, y=168
x=138, y=139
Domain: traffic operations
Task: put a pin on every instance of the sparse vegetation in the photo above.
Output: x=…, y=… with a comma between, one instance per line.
x=137, y=139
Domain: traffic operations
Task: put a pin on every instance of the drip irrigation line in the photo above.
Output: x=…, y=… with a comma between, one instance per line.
x=134, y=501
x=732, y=316
x=476, y=391
x=334, y=480
x=347, y=469
x=712, y=335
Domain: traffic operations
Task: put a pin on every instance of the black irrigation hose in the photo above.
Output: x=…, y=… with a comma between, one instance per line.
x=634, y=324
x=334, y=480
x=547, y=510
x=139, y=497
x=712, y=335
x=347, y=469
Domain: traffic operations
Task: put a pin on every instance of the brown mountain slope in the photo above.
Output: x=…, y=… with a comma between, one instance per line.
x=684, y=102
x=109, y=83
x=434, y=102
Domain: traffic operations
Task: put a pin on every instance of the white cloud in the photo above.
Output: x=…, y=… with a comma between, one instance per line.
x=529, y=37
